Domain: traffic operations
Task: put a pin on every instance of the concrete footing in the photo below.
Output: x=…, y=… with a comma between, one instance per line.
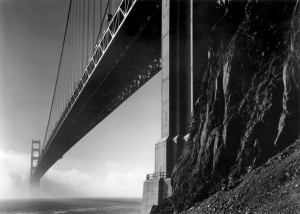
x=154, y=192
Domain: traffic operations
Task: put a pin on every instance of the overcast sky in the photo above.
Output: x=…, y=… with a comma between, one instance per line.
x=112, y=160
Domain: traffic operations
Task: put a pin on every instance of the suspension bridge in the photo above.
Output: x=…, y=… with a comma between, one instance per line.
x=110, y=49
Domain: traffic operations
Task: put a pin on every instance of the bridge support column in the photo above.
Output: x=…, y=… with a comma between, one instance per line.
x=177, y=85
x=176, y=79
x=184, y=50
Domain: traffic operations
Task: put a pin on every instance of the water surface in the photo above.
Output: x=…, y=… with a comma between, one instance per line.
x=72, y=205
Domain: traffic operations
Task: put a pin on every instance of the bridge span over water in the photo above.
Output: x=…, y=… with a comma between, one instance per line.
x=110, y=49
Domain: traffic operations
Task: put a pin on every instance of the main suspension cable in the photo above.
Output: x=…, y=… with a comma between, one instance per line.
x=58, y=70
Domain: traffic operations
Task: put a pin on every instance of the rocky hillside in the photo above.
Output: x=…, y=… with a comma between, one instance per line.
x=272, y=188
x=248, y=105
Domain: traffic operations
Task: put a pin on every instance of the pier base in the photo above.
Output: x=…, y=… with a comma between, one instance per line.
x=154, y=192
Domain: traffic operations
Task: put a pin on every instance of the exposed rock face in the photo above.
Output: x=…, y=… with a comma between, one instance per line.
x=248, y=106
x=165, y=207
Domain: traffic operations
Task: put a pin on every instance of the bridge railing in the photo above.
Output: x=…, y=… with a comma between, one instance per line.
x=100, y=48
x=158, y=175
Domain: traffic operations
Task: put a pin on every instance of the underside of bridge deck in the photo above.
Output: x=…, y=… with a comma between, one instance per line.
x=131, y=58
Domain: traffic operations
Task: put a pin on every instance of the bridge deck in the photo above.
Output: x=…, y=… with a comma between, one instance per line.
x=127, y=57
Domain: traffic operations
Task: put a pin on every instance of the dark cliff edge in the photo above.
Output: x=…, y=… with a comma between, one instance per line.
x=248, y=105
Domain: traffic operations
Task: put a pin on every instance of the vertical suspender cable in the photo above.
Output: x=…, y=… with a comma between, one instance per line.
x=94, y=24
x=79, y=39
x=72, y=52
x=62, y=79
x=69, y=48
x=76, y=46
x=58, y=69
x=67, y=67
x=82, y=56
x=88, y=35
x=110, y=7
x=100, y=20
x=101, y=25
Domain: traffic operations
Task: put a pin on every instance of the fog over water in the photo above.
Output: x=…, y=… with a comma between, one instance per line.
x=14, y=176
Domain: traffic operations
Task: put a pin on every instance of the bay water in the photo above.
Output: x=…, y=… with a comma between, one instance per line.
x=71, y=205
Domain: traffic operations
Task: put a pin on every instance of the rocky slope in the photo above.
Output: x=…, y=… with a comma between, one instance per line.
x=272, y=188
x=248, y=106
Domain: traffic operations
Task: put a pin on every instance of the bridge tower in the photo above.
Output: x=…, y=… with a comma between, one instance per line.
x=184, y=49
x=35, y=154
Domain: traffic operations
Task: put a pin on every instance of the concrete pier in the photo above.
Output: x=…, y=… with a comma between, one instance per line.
x=155, y=190
x=176, y=97
x=176, y=79
x=184, y=50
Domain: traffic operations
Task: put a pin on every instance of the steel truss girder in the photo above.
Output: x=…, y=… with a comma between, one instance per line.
x=130, y=89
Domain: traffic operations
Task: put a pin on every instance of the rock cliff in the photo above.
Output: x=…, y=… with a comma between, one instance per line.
x=248, y=105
